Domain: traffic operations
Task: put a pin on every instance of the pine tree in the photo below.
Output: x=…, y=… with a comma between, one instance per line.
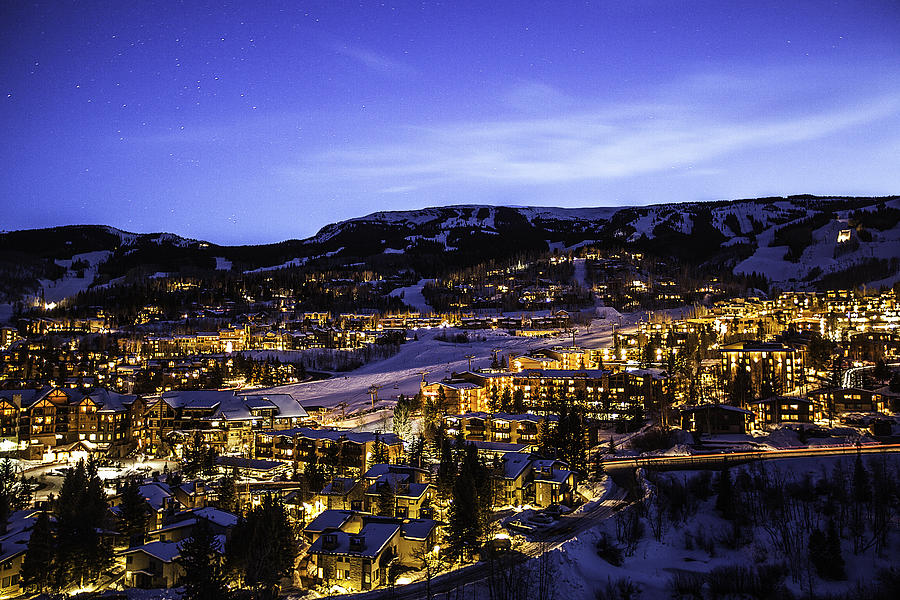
x=416, y=449
x=401, y=423
x=386, y=500
x=379, y=452
x=81, y=553
x=725, y=496
x=518, y=401
x=462, y=526
x=37, y=566
x=133, y=512
x=263, y=548
x=818, y=552
x=228, y=493
x=201, y=559
x=14, y=495
x=835, y=558
x=862, y=490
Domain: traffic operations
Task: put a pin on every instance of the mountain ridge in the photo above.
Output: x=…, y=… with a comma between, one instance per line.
x=791, y=240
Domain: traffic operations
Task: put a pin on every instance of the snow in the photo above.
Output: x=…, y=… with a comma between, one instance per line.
x=296, y=262
x=70, y=284
x=580, y=274
x=820, y=253
x=412, y=296
x=582, y=574
x=402, y=373
x=222, y=264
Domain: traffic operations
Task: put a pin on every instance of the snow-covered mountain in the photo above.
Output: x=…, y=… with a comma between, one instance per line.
x=793, y=241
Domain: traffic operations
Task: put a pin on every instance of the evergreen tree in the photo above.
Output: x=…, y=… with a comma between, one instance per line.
x=81, y=554
x=506, y=401
x=835, y=557
x=201, y=559
x=462, y=526
x=380, y=454
x=133, y=513
x=263, y=548
x=210, y=456
x=37, y=566
x=386, y=500
x=228, y=492
x=862, y=490
x=15, y=494
x=401, y=424
x=493, y=399
x=446, y=473
x=725, y=495
x=518, y=401
x=741, y=391
x=416, y=449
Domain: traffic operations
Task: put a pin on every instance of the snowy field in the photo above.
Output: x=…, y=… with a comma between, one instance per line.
x=583, y=575
x=402, y=373
x=412, y=296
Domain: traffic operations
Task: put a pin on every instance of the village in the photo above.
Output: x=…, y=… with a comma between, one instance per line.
x=368, y=488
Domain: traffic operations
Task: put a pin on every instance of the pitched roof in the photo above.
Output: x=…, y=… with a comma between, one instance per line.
x=328, y=519
x=375, y=535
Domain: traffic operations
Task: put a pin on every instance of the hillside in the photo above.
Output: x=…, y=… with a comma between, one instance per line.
x=793, y=241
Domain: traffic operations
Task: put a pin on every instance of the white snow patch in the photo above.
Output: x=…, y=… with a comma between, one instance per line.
x=222, y=264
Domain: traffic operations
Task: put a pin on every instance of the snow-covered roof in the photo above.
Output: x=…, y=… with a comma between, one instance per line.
x=358, y=437
x=256, y=464
x=499, y=447
x=514, y=464
x=338, y=486
x=374, y=535
x=328, y=519
x=501, y=416
x=155, y=494
x=417, y=529
x=165, y=551
x=726, y=407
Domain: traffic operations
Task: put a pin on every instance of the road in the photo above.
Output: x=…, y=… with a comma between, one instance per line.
x=676, y=463
x=853, y=377
x=467, y=581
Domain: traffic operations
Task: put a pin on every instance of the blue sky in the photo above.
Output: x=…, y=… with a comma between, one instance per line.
x=248, y=122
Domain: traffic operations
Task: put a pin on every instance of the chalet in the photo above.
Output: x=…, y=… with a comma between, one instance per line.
x=342, y=493
x=499, y=427
x=40, y=421
x=349, y=451
x=832, y=401
x=13, y=544
x=252, y=467
x=356, y=555
x=327, y=520
x=553, y=483
x=715, y=418
x=782, y=409
x=456, y=395
x=411, y=499
x=516, y=472
x=181, y=525
x=227, y=420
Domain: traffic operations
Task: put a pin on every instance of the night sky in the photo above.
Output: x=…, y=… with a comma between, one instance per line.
x=246, y=122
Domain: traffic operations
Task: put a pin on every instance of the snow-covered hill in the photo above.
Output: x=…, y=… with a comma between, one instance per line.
x=793, y=241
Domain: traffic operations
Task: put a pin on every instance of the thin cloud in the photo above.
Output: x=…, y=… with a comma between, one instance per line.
x=600, y=145
x=374, y=60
